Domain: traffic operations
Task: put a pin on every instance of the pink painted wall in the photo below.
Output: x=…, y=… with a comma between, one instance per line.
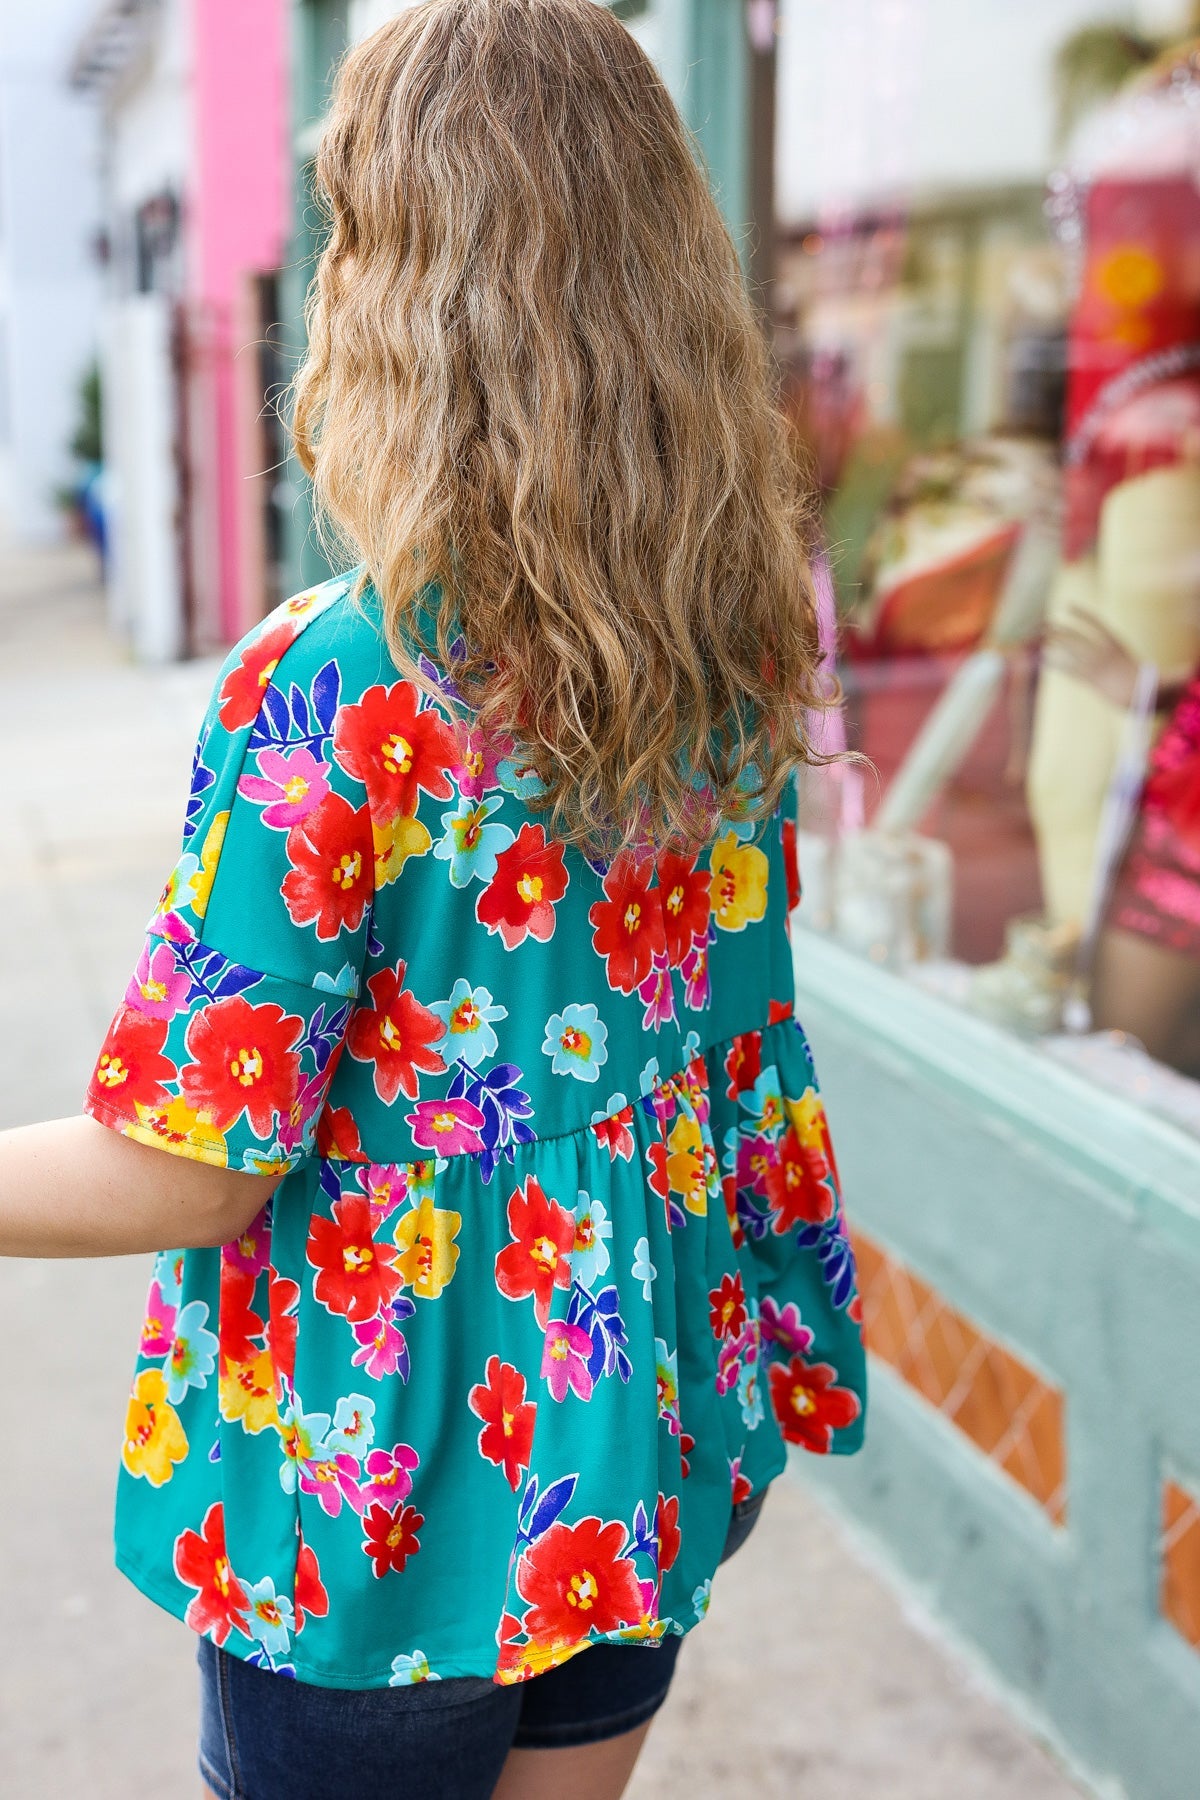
x=237, y=227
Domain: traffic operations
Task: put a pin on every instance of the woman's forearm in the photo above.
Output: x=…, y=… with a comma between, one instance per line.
x=71, y=1187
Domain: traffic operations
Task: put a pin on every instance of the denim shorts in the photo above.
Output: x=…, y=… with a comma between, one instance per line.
x=266, y=1737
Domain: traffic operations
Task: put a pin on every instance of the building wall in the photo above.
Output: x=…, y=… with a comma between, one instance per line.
x=881, y=101
x=49, y=281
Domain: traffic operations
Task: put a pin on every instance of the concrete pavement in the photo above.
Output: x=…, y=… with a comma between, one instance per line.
x=807, y=1682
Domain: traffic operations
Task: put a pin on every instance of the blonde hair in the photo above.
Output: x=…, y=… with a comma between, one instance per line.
x=536, y=389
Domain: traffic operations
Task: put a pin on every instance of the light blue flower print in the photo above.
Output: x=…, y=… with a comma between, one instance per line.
x=303, y=1437
x=345, y=982
x=193, y=1354
x=643, y=1269
x=749, y=1396
x=589, y=1258
x=691, y=1047
x=701, y=1598
x=575, y=1042
x=519, y=778
x=410, y=1668
x=470, y=844
x=353, y=1425
x=764, y=1103
x=467, y=1016
x=648, y=1077
x=168, y=1272
x=269, y=1617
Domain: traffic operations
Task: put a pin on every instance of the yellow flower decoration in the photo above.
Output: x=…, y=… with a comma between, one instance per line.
x=807, y=1117
x=174, y=1123
x=428, y=1254
x=395, y=842
x=739, y=883
x=210, y=856
x=154, y=1436
x=685, y=1164
x=247, y=1393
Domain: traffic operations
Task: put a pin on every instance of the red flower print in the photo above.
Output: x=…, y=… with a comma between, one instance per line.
x=354, y=1273
x=395, y=1033
x=687, y=1444
x=791, y=866
x=797, y=1185
x=808, y=1406
x=391, y=1536
x=132, y=1068
x=628, y=923
x=540, y=1259
x=577, y=1581
x=507, y=1435
x=727, y=1306
x=239, y=1325
x=683, y=889
x=519, y=899
x=778, y=1011
x=283, y=1325
x=395, y=749
x=666, y=1523
x=243, y=1060
x=221, y=1603
x=337, y=1136
x=743, y=1063
x=310, y=1596
x=332, y=856
x=615, y=1132
x=243, y=688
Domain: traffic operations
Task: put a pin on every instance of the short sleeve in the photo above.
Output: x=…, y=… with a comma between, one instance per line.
x=229, y=1032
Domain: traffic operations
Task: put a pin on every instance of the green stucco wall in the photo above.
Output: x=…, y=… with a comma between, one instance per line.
x=1066, y=1223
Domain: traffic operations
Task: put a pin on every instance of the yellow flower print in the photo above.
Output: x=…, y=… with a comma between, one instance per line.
x=154, y=1436
x=174, y=1123
x=807, y=1117
x=180, y=887
x=210, y=856
x=395, y=842
x=247, y=1393
x=685, y=1164
x=425, y=1238
x=739, y=883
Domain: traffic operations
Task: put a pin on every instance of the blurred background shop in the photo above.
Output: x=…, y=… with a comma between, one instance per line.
x=974, y=232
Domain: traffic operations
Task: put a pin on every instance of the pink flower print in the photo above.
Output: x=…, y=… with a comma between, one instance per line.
x=389, y=1475
x=697, y=987
x=729, y=1364
x=158, y=1326
x=382, y=1346
x=451, y=1127
x=658, y=993
x=565, y=1356
x=781, y=1325
x=292, y=784
x=386, y=1187
x=252, y=1251
x=478, y=758
x=332, y=1478
x=157, y=987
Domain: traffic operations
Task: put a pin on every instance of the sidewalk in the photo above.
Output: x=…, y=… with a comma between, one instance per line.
x=807, y=1682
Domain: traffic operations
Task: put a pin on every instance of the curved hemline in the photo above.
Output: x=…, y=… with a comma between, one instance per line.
x=175, y=1601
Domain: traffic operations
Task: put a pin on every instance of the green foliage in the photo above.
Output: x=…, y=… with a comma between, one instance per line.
x=1092, y=65
x=87, y=444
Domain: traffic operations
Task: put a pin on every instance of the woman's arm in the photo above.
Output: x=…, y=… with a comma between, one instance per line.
x=72, y=1187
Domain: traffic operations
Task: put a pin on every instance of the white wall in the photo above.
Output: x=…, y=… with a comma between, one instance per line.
x=879, y=98
x=49, y=283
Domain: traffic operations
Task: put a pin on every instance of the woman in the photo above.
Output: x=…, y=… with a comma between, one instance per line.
x=514, y=1246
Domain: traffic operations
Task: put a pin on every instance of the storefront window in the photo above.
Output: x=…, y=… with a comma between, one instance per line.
x=993, y=354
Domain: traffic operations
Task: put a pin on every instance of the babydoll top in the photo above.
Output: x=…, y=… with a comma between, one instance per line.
x=558, y=1264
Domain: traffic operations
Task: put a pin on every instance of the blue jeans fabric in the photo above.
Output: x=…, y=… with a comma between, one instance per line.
x=267, y=1737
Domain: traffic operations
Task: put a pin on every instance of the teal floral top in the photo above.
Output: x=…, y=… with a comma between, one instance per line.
x=558, y=1265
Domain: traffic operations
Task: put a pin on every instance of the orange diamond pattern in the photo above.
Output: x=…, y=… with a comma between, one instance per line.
x=1009, y=1411
x=1179, y=1595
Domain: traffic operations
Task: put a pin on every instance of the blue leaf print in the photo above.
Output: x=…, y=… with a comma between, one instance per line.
x=300, y=710
x=554, y=1499
x=326, y=692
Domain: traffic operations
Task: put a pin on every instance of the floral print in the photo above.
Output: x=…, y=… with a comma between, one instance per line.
x=557, y=1268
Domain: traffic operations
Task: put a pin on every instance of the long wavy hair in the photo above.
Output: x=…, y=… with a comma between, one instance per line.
x=536, y=391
